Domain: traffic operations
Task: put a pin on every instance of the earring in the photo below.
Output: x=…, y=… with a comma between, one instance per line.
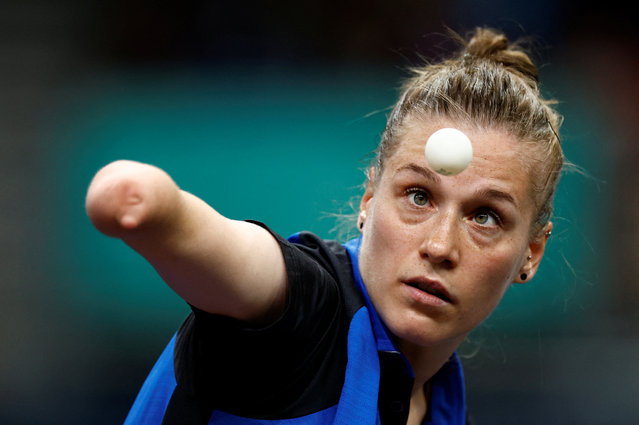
x=524, y=276
x=360, y=220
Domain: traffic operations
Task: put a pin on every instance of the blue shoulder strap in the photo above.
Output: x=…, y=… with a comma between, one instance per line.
x=162, y=401
x=152, y=400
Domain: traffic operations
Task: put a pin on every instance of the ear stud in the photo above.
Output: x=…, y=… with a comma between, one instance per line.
x=360, y=220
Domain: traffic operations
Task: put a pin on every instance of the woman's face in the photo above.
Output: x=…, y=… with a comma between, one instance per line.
x=439, y=252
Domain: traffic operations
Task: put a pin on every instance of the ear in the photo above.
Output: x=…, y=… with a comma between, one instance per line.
x=534, y=254
x=366, y=198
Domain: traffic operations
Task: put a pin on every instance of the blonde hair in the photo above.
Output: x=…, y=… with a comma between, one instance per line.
x=489, y=83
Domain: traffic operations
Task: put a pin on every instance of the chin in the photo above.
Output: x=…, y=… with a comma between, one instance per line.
x=427, y=334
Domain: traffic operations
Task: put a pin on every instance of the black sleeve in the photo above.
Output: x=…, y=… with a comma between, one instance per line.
x=273, y=371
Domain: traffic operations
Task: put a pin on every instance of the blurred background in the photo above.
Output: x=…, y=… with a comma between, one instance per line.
x=269, y=110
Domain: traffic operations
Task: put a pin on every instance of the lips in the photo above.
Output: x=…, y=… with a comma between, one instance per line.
x=430, y=287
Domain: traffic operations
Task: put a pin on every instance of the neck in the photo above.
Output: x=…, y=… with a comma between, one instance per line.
x=418, y=406
x=426, y=361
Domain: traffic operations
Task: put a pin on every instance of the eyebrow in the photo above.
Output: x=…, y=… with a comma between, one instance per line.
x=497, y=195
x=487, y=193
x=428, y=174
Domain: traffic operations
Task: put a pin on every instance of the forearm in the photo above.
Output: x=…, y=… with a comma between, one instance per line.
x=142, y=205
x=219, y=265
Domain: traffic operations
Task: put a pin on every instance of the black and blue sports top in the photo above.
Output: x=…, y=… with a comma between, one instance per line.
x=327, y=360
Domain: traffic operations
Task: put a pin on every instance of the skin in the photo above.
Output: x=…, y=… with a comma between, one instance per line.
x=469, y=234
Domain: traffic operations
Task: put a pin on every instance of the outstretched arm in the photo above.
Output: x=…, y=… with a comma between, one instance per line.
x=216, y=264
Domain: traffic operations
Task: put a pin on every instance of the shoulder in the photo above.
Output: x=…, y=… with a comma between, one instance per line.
x=333, y=258
x=311, y=259
x=329, y=254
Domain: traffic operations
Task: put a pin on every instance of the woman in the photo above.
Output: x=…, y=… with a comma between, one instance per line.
x=307, y=331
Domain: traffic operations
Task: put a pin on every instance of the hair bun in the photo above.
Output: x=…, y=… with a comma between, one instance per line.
x=486, y=43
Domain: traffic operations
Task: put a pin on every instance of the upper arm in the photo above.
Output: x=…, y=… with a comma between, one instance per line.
x=224, y=266
x=219, y=265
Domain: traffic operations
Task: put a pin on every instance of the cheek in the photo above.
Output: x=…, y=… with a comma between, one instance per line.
x=381, y=233
x=388, y=241
x=493, y=276
x=384, y=244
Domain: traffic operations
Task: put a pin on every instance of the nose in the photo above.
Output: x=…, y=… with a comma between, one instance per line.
x=441, y=239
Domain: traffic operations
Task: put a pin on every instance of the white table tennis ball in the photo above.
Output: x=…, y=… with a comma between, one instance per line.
x=448, y=151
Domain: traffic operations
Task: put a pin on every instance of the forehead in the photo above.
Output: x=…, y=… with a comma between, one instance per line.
x=499, y=159
x=489, y=144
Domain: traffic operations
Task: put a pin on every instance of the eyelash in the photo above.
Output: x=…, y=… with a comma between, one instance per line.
x=411, y=192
